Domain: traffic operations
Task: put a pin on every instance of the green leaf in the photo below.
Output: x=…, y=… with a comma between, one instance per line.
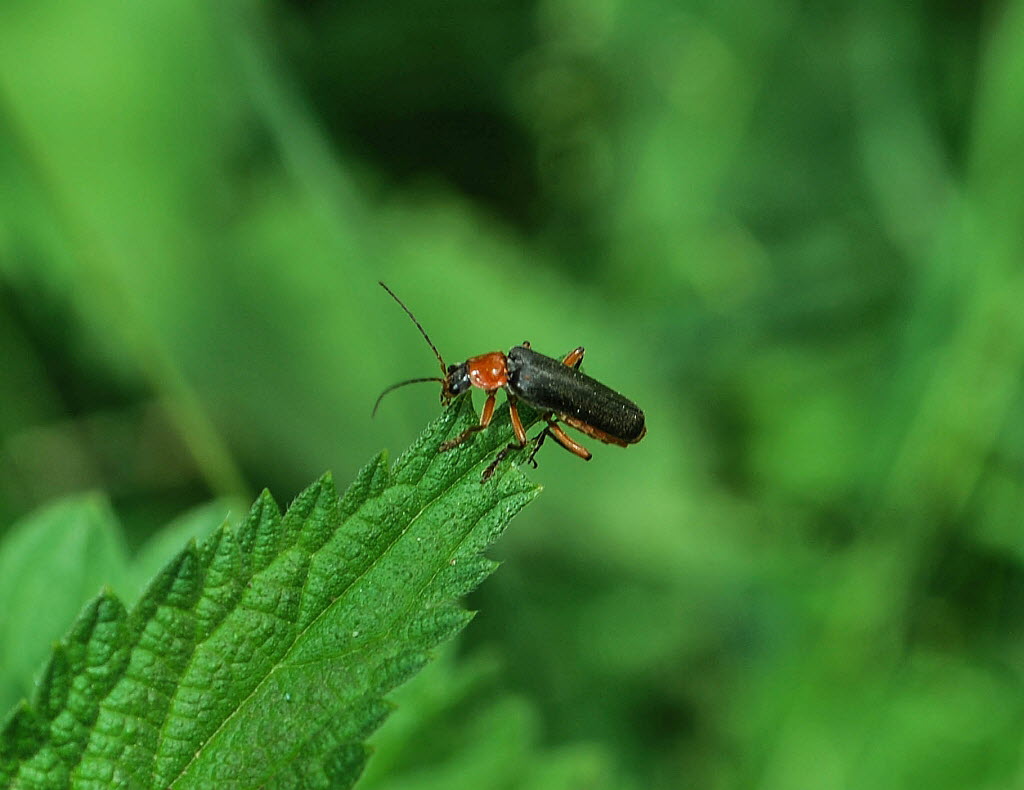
x=49, y=563
x=195, y=524
x=260, y=656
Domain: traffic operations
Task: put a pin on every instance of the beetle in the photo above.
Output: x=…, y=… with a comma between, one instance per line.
x=555, y=387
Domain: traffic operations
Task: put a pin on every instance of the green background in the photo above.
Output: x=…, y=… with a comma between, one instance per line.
x=792, y=232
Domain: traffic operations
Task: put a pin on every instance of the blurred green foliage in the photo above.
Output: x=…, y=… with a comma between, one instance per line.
x=792, y=233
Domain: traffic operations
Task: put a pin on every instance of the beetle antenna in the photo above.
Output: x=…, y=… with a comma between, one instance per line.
x=396, y=386
x=444, y=368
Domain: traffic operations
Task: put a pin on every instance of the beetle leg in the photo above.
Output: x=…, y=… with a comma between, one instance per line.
x=538, y=440
x=574, y=358
x=567, y=441
x=485, y=420
x=517, y=424
x=518, y=444
x=551, y=429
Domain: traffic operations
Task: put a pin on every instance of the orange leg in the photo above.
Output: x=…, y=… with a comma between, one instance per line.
x=554, y=429
x=568, y=442
x=574, y=358
x=518, y=444
x=485, y=420
x=517, y=424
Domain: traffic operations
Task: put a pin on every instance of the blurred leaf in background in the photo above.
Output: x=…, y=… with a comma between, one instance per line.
x=790, y=233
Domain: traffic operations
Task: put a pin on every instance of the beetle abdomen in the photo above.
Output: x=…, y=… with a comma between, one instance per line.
x=550, y=385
